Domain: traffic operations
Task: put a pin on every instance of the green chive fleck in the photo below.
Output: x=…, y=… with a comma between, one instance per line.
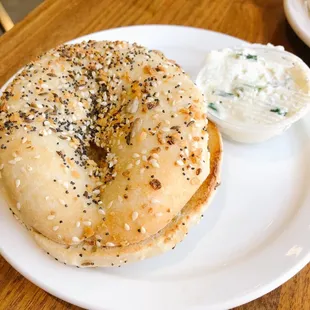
x=253, y=57
x=278, y=111
x=249, y=56
x=224, y=93
x=212, y=106
x=237, y=91
x=258, y=88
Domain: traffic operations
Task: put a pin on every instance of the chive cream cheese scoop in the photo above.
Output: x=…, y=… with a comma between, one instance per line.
x=254, y=92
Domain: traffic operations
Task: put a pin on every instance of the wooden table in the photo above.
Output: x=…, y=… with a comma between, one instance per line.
x=57, y=21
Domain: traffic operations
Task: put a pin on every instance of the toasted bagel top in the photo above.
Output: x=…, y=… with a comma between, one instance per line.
x=104, y=141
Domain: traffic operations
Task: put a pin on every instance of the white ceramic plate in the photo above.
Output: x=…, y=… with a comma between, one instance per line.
x=299, y=18
x=254, y=236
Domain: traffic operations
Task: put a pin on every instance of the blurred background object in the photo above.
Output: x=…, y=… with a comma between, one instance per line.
x=16, y=10
x=5, y=19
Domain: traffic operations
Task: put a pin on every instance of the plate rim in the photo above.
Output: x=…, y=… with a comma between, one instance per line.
x=237, y=301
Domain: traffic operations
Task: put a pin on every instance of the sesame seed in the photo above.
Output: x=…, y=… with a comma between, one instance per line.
x=17, y=183
x=120, y=199
x=143, y=230
x=51, y=217
x=158, y=214
x=135, y=155
x=12, y=162
x=138, y=162
x=37, y=156
x=29, y=168
x=127, y=227
x=87, y=223
x=18, y=206
x=154, y=163
x=14, y=154
x=155, y=201
x=77, y=224
x=24, y=140
x=47, y=197
x=1, y=166
x=110, y=244
x=55, y=228
x=195, y=145
x=180, y=162
x=62, y=202
x=143, y=152
x=155, y=116
x=75, y=239
x=134, y=215
x=129, y=166
x=155, y=155
x=96, y=191
x=165, y=129
x=101, y=211
x=98, y=244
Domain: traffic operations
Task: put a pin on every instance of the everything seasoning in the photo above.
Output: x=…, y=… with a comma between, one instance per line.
x=95, y=99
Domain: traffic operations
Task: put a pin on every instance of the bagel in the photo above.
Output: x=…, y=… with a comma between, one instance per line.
x=105, y=152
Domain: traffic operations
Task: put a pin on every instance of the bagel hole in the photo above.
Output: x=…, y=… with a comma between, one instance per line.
x=97, y=154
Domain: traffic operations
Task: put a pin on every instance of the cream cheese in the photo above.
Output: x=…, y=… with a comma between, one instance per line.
x=255, y=85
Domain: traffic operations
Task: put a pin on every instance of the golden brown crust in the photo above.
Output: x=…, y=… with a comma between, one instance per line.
x=166, y=239
x=88, y=132
x=102, y=146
